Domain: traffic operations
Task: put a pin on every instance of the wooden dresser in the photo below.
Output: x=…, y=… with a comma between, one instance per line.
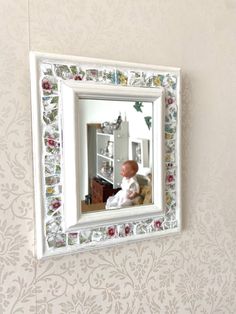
x=101, y=190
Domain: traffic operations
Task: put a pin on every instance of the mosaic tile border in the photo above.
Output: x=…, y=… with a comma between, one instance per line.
x=50, y=73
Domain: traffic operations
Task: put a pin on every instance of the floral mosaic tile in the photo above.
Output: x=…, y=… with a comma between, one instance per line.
x=51, y=73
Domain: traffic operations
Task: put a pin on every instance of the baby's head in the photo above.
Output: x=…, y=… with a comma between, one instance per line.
x=129, y=168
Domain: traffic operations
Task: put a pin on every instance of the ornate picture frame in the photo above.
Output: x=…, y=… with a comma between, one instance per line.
x=60, y=231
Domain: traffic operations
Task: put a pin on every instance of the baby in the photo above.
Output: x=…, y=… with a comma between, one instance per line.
x=129, y=187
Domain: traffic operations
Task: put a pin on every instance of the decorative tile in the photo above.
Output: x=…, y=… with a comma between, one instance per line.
x=50, y=76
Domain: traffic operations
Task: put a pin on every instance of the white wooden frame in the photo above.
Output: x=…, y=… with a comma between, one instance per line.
x=74, y=219
x=70, y=229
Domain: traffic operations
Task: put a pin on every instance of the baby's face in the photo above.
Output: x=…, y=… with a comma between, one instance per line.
x=126, y=171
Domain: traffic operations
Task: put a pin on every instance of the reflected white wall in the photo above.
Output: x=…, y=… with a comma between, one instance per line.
x=99, y=111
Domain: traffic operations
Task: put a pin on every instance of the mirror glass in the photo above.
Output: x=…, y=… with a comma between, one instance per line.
x=115, y=163
x=111, y=137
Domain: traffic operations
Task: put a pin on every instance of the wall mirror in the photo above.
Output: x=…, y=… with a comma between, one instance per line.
x=106, y=138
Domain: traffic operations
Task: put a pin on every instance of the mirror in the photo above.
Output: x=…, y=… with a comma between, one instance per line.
x=106, y=139
x=109, y=136
x=77, y=99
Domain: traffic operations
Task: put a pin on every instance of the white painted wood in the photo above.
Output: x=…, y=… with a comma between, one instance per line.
x=115, y=241
x=37, y=153
x=68, y=59
x=73, y=219
x=71, y=145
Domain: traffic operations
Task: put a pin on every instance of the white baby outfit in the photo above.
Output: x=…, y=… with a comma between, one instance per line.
x=121, y=199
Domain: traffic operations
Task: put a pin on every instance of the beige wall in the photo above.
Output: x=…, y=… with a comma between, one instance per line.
x=194, y=272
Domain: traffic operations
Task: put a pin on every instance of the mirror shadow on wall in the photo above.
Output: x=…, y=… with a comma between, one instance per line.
x=116, y=149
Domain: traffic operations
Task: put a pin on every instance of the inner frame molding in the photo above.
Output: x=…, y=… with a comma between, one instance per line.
x=56, y=80
x=70, y=93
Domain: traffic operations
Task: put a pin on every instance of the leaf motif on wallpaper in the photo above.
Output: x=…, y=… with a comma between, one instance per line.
x=166, y=278
x=154, y=306
x=3, y=143
x=25, y=293
x=30, y=262
x=16, y=168
x=99, y=280
x=18, y=202
x=7, y=289
x=11, y=242
x=110, y=292
x=191, y=286
x=9, y=190
x=42, y=307
x=69, y=267
x=18, y=119
x=23, y=206
x=129, y=278
x=172, y=306
x=54, y=284
x=27, y=156
x=80, y=303
x=139, y=268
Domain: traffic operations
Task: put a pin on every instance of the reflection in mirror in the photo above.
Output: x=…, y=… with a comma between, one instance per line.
x=77, y=157
x=110, y=134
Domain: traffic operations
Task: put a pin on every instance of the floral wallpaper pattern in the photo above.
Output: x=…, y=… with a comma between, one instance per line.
x=193, y=272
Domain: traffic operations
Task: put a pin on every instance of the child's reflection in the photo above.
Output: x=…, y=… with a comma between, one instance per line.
x=129, y=187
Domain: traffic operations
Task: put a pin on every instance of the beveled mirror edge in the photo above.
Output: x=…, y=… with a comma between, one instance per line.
x=43, y=249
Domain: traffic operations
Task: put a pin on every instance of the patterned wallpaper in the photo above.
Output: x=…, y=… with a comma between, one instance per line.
x=193, y=272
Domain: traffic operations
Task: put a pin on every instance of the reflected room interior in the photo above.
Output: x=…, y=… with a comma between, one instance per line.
x=110, y=133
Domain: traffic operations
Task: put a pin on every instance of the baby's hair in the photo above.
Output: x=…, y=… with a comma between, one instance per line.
x=133, y=164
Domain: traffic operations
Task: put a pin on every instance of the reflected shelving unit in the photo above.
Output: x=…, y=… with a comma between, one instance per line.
x=111, y=152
